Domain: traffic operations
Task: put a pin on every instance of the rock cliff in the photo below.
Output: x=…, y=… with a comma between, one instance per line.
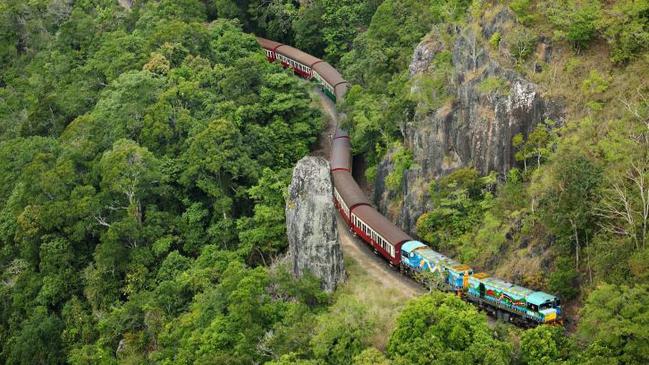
x=313, y=239
x=488, y=105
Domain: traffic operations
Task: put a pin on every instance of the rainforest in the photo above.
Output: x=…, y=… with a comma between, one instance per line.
x=147, y=147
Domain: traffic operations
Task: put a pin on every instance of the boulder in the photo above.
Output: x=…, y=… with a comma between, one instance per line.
x=314, y=245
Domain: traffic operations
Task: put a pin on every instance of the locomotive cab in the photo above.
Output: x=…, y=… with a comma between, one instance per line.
x=545, y=305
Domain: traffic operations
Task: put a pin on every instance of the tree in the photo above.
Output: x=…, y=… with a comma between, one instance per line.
x=544, y=345
x=308, y=29
x=264, y=234
x=576, y=21
x=440, y=328
x=341, y=334
x=625, y=204
x=371, y=356
x=624, y=27
x=521, y=44
x=568, y=205
x=130, y=171
x=38, y=341
x=275, y=18
x=538, y=144
x=564, y=279
x=613, y=323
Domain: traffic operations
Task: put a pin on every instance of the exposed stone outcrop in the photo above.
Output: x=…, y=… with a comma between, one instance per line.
x=475, y=129
x=126, y=4
x=313, y=239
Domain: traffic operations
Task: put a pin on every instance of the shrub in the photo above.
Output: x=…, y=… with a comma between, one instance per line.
x=563, y=280
x=523, y=10
x=402, y=161
x=493, y=84
x=582, y=26
x=494, y=41
x=575, y=22
x=595, y=83
x=440, y=328
x=625, y=28
x=370, y=173
x=521, y=44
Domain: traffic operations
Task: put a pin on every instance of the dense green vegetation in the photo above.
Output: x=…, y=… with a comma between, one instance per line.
x=146, y=151
x=145, y=157
x=575, y=206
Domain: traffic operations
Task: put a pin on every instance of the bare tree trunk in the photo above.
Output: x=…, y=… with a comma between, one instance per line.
x=590, y=269
x=577, y=247
x=525, y=165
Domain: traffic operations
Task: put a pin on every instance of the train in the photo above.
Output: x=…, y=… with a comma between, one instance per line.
x=503, y=300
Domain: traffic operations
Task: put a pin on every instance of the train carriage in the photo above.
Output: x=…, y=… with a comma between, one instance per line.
x=269, y=47
x=347, y=194
x=301, y=63
x=340, y=133
x=341, y=157
x=379, y=232
x=331, y=80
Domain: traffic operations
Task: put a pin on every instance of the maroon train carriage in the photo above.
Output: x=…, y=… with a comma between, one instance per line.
x=270, y=47
x=331, y=80
x=347, y=194
x=307, y=66
x=383, y=235
x=340, y=133
x=341, y=156
x=341, y=90
x=302, y=63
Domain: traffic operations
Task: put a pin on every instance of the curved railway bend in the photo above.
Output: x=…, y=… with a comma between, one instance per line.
x=354, y=248
x=506, y=301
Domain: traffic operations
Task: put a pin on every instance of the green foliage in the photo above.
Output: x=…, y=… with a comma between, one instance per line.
x=308, y=29
x=38, y=340
x=264, y=234
x=430, y=90
x=594, y=84
x=370, y=173
x=493, y=84
x=371, y=356
x=538, y=146
x=523, y=10
x=494, y=40
x=625, y=28
x=439, y=328
x=564, y=279
x=593, y=87
x=460, y=200
x=575, y=21
x=341, y=21
x=166, y=146
x=275, y=17
x=612, y=325
x=568, y=207
x=342, y=334
x=521, y=43
x=544, y=345
x=402, y=159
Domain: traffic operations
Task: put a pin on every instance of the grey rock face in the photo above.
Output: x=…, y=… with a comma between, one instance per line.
x=313, y=239
x=476, y=129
